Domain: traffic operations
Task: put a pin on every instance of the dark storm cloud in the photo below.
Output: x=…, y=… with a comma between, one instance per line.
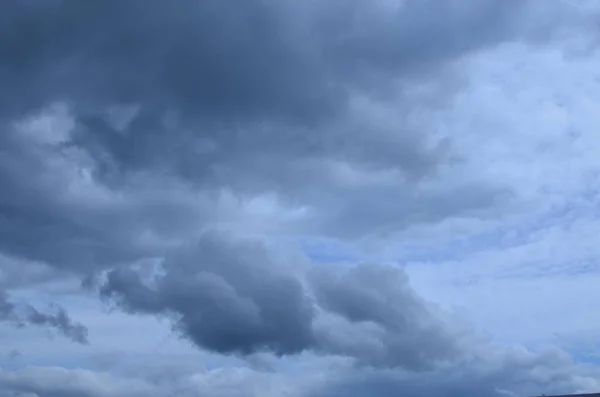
x=250, y=96
x=220, y=58
x=230, y=297
x=234, y=296
x=223, y=72
x=239, y=58
x=21, y=315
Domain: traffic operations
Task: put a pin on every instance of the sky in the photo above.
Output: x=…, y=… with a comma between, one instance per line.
x=227, y=198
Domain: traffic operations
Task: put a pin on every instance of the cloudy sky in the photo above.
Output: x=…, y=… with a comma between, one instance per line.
x=227, y=198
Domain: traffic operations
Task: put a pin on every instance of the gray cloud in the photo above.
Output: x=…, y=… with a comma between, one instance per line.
x=273, y=69
x=7, y=308
x=55, y=382
x=234, y=88
x=212, y=95
x=252, y=59
x=230, y=297
x=61, y=321
x=399, y=327
x=11, y=355
x=51, y=214
x=496, y=372
x=21, y=315
x=234, y=296
x=124, y=124
x=515, y=372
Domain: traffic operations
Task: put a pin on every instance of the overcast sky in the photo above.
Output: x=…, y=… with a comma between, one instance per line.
x=318, y=198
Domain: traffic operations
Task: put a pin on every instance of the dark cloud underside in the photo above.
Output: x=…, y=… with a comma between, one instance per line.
x=235, y=297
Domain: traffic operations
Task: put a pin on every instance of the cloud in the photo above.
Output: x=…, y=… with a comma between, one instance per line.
x=61, y=321
x=454, y=136
x=53, y=212
x=229, y=297
x=118, y=122
x=56, y=381
x=234, y=296
x=6, y=307
x=23, y=315
x=253, y=59
x=229, y=91
x=51, y=382
x=504, y=371
x=11, y=355
x=400, y=329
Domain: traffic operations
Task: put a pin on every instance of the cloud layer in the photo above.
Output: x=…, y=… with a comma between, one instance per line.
x=319, y=198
